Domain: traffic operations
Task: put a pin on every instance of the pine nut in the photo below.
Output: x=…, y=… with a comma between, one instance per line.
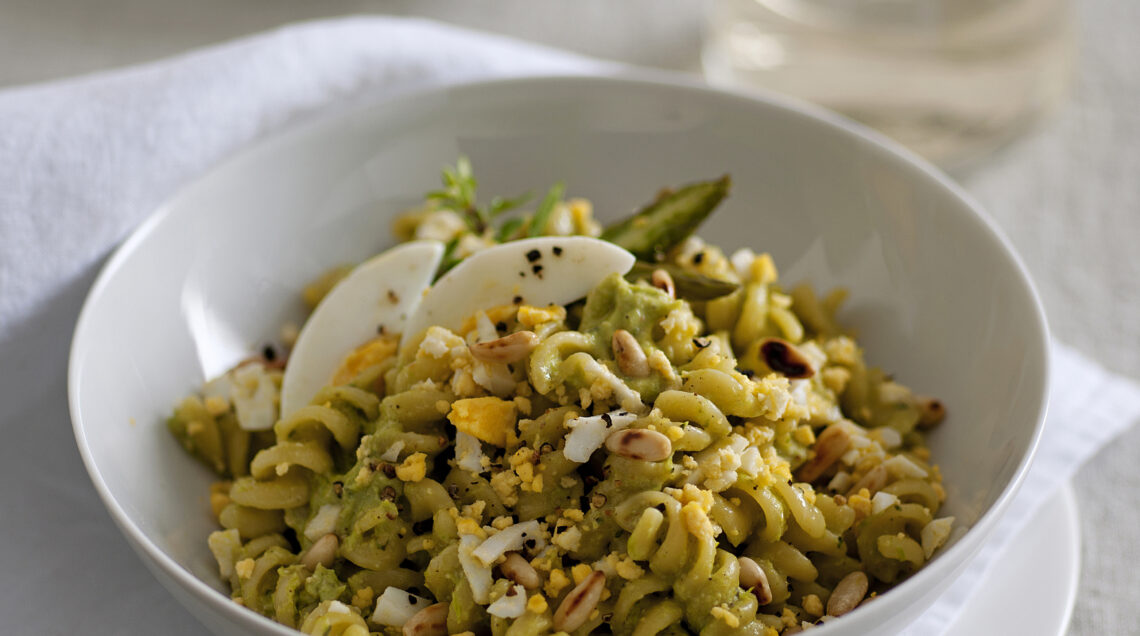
x=847, y=594
x=663, y=281
x=322, y=552
x=519, y=570
x=510, y=348
x=785, y=358
x=430, y=621
x=752, y=577
x=829, y=447
x=640, y=443
x=576, y=607
x=629, y=355
x=931, y=412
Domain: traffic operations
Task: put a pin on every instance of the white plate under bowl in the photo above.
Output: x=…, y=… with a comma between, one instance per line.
x=1024, y=592
x=937, y=295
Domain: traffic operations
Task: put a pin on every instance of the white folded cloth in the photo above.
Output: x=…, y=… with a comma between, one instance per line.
x=84, y=161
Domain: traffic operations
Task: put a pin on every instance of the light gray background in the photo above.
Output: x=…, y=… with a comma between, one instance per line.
x=1067, y=194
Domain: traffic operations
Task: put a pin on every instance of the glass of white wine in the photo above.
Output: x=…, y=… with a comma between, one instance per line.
x=951, y=79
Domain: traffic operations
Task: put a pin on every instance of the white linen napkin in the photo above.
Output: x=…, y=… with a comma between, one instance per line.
x=84, y=161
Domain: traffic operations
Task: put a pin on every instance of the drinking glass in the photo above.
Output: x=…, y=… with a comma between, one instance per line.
x=951, y=79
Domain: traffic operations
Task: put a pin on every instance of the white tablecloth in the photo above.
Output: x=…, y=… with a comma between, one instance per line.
x=1067, y=195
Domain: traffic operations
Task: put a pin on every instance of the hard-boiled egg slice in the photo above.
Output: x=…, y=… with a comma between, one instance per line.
x=381, y=292
x=538, y=271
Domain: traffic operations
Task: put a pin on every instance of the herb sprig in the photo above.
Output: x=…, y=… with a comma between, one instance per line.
x=458, y=195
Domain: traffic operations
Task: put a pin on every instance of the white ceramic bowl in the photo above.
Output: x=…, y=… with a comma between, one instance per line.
x=938, y=296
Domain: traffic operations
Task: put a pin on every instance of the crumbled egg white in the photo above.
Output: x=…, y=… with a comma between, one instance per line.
x=934, y=534
x=493, y=376
x=469, y=454
x=717, y=466
x=254, y=396
x=881, y=501
x=901, y=467
x=322, y=523
x=741, y=261
x=840, y=482
x=392, y=454
x=477, y=573
x=603, y=384
x=396, y=606
x=587, y=434
x=506, y=540
x=225, y=545
x=440, y=225
x=509, y=605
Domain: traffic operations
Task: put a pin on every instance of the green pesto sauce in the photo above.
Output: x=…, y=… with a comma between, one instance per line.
x=636, y=307
x=623, y=479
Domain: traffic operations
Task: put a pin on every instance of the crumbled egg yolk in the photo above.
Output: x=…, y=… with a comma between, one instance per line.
x=368, y=354
x=216, y=405
x=474, y=510
x=813, y=605
x=506, y=485
x=487, y=418
x=861, y=503
x=804, y=435
x=697, y=521
x=413, y=469
x=580, y=572
x=728, y=617
x=363, y=598
x=536, y=604
x=466, y=525
x=789, y=618
x=523, y=464
x=497, y=314
x=530, y=316
x=363, y=475
x=244, y=568
x=629, y=570
x=557, y=582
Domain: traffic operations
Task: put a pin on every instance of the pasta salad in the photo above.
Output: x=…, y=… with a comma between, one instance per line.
x=572, y=429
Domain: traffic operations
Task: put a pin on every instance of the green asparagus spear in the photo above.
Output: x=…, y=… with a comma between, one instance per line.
x=688, y=285
x=668, y=220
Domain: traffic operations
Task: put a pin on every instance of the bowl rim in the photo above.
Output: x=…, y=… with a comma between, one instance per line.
x=951, y=562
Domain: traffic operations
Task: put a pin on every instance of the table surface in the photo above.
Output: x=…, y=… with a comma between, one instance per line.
x=1067, y=194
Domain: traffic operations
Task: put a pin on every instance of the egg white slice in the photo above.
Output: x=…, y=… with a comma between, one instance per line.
x=539, y=271
x=383, y=291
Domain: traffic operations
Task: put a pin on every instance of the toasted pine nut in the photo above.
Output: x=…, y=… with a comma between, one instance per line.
x=629, y=355
x=663, y=281
x=576, y=607
x=430, y=621
x=847, y=594
x=829, y=447
x=510, y=348
x=785, y=358
x=873, y=481
x=519, y=570
x=752, y=577
x=323, y=552
x=931, y=411
x=640, y=443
